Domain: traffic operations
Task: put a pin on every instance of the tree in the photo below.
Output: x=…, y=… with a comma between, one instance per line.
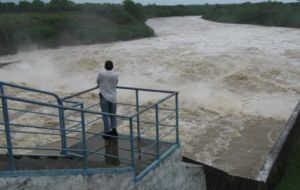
x=38, y=5
x=8, y=7
x=135, y=9
x=59, y=5
x=24, y=6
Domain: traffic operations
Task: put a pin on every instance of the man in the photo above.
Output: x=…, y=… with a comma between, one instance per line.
x=107, y=82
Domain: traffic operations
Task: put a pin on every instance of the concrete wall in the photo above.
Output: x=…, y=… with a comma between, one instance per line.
x=219, y=180
x=278, y=157
x=171, y=174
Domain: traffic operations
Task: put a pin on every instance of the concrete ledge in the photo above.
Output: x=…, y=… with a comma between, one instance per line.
x=172, y=173
x=278, y=157
x=219, y=180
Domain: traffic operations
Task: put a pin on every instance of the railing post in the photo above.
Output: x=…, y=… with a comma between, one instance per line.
x=84, y=146
x=138, y=120
x=7, y=130
x=138, y=116
x=157, y=131
x=62, y=130
x=132, y=144
x=177, y=118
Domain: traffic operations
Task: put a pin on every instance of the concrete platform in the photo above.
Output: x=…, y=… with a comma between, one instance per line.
x=114, y=150
x=170, y=174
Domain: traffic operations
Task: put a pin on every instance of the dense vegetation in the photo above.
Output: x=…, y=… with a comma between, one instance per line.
x=291, y=179
x=178, y=10
x=63, y=22
x=267, y=13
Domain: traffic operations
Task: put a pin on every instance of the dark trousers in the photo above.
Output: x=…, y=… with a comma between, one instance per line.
x=110, y=122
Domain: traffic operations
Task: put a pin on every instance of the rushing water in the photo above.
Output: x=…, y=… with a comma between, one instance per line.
x=238, y=84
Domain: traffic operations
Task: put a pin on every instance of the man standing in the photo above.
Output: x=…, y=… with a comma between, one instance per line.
x=107, y=82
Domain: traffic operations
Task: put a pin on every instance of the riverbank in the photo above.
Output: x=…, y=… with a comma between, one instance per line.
x=27, y=27
x=265, y=13
x=85, y=24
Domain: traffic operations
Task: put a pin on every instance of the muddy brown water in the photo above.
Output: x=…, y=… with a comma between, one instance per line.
x=238, y=84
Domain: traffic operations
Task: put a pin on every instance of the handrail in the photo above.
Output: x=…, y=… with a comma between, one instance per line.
x=62, y=107
x=65, y=104
x=146, y=89
x=59, y=101
x=152, y=105
x=121, y=87
x=172, y=93
x=79, y=93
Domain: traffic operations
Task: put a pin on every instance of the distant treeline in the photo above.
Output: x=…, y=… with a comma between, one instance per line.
x=153, y=10
x=267, y=13
x=62, y=22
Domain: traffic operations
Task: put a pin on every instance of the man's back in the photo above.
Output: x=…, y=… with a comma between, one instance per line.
x=107, y=82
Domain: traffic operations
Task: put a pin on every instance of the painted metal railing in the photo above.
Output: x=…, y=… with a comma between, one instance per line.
x=74, y=120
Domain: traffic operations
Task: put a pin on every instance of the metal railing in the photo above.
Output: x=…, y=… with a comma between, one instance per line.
x=149, y=129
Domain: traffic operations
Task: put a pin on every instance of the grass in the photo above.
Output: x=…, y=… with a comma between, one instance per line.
x=291, y=178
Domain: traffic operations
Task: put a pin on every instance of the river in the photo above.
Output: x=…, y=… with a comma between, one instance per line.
x=238, y=84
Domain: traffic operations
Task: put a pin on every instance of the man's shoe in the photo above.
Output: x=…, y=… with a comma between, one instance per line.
x=114, y=132
x=107, y=135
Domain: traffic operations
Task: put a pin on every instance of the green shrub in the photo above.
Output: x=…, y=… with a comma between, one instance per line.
x=135, y=9
x=267, y=13
x=67, y=28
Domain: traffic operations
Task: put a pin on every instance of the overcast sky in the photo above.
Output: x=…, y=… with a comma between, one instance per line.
x=166, y=2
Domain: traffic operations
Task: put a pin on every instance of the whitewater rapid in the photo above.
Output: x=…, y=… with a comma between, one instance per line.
x=231, y=78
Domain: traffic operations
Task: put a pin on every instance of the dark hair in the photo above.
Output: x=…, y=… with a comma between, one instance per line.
x=109, y=65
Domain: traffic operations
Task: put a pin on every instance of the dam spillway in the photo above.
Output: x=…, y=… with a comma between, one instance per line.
x=232, y=79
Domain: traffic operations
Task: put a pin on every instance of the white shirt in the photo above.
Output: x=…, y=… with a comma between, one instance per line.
x=107, y=81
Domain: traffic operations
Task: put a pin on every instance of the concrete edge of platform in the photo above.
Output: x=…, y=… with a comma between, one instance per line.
x=38, y=173
x=156, y=163
x=171, y=173
x=217, y=179
x=277, y=159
